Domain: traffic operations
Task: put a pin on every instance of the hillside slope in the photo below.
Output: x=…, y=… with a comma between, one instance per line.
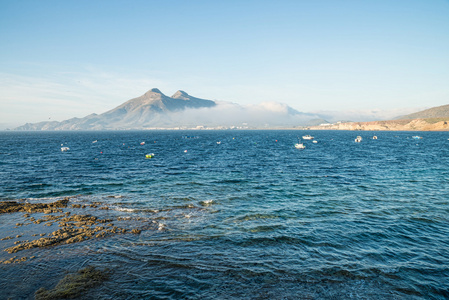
x=434, y=112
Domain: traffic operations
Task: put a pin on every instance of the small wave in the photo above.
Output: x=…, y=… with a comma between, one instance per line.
x=173, y=173
x=116, y=197
x=252, y=217
x=136, y=210
x=430, y=220
x=55, y=198
x=123, y=209
x=270, y=241
x=265, y=228
x=231, y=181
x=114, y=184
x=190, y=206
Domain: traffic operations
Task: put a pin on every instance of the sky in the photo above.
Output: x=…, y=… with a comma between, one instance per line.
x=64, y=59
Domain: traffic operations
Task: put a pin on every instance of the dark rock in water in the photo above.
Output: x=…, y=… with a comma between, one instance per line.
x=74, y=285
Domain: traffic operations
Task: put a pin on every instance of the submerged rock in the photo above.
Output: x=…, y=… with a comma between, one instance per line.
x=74, y=285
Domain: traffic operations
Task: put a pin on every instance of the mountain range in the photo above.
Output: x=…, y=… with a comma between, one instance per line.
x=156, y=110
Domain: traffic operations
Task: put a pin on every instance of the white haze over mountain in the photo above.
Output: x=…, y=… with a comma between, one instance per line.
x=277, y=114
x=266, y=114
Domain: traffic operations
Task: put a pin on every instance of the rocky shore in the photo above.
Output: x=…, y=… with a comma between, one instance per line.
x=73, y=228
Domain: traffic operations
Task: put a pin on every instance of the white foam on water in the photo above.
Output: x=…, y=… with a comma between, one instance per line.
x=124, y=209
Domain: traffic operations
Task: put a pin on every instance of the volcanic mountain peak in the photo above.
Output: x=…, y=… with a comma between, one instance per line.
x=155, y=101
x=152, y=94
x=181, y=95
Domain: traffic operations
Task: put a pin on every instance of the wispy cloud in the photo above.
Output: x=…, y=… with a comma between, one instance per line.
x=230, y=114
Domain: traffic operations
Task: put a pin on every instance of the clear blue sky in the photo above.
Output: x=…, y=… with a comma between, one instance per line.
x=62, y=59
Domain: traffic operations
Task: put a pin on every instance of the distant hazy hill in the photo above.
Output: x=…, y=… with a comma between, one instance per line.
x=156, y=110
x=432, y=119
x=434, y=112
x=431, y=124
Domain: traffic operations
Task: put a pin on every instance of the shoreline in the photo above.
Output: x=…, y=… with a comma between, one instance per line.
x=36, y=227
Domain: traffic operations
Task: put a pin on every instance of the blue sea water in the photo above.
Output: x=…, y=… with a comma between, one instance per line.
x=248, y=218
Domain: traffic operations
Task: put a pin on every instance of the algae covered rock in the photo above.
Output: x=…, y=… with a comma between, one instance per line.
x=74, y=285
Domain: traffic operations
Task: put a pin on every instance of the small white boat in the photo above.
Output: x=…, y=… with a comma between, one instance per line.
x=417, y=137
x=218, y=143
x=300, y=146
x=374, y=137
x=94, y=142
x=358, y=139
x=63, y=149
x=307, y=137
x=315, y=142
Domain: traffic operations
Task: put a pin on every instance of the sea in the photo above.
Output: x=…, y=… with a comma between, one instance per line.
x=237, y=214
